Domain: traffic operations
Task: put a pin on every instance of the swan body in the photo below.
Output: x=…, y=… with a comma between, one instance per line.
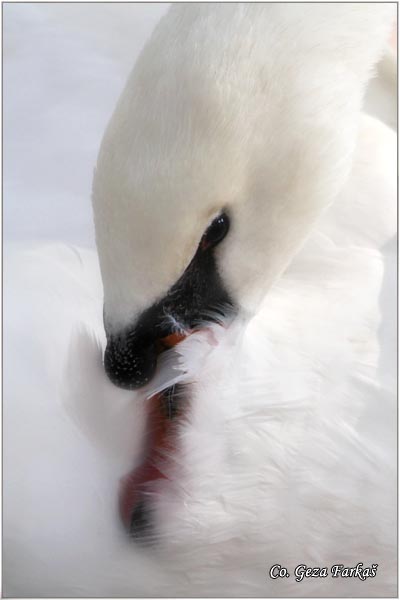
x=286, y=452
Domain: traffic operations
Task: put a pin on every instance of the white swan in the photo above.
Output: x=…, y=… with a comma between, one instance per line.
x=284, y=449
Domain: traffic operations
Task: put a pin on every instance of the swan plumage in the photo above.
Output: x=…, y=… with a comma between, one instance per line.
x=287, y=454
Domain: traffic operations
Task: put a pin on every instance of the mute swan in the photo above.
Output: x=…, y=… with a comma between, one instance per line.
x=237, y=164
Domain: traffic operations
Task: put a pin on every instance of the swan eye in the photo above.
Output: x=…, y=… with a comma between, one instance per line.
x=216, y=232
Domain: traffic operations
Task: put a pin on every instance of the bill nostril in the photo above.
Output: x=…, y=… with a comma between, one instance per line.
x=129, y=366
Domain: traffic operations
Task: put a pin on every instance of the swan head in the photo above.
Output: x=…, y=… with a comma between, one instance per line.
x=222, y=152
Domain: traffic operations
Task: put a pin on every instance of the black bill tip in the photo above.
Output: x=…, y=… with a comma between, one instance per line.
x=129, y=367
